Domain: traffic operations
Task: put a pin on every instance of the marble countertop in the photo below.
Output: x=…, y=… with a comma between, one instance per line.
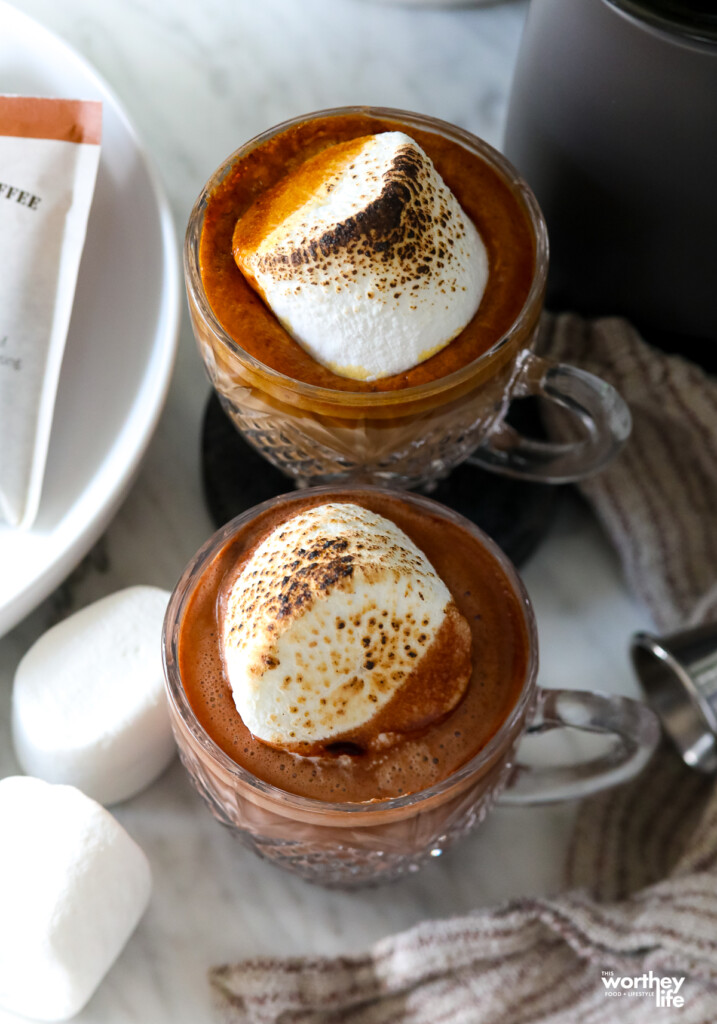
x=197, y=80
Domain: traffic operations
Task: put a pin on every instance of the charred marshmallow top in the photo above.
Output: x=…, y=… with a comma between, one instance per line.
x=328, y=628
x=365, y=256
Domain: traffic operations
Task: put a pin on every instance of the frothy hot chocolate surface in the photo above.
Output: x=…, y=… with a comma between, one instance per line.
x=424, y=754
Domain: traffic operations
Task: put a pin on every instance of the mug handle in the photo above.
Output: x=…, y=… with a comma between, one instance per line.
x=596, y=408
x=634, y=727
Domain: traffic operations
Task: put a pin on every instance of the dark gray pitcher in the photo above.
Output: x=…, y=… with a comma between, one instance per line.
x=613, y=122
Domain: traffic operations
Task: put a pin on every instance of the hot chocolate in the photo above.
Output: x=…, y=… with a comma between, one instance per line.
x=490, y=203
x=415, y=402
x=370, y=810
x=441, y=730
x=413, y=426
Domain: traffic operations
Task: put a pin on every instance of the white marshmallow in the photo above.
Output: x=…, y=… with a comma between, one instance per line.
x=89, y=707
x=73, y=886
x=377, y=268
x=326, y=622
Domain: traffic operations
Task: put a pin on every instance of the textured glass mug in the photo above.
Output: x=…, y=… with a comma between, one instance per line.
x=354, y=844
x=411, y=436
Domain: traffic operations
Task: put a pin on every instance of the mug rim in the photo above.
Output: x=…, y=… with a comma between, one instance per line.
x=319, y=394
x=312, y=806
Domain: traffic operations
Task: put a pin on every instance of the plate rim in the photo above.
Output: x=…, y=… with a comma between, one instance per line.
x=88, y=515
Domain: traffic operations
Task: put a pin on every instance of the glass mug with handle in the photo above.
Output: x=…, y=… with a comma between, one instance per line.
x=409, y=435
x=354, y=843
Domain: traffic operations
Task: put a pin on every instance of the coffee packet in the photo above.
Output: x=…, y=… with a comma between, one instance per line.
x=49, y=153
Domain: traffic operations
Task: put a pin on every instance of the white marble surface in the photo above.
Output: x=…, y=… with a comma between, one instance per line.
x=197, y=80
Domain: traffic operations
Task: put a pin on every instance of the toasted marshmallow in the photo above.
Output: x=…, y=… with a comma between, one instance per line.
x=365, y=256
x=329, y=625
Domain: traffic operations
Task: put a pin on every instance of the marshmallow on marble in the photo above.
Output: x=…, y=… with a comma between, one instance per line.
x=73, y=886
x=89, y=707
x=365, y=256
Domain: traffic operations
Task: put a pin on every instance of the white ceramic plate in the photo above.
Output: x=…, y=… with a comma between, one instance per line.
x=122, y=338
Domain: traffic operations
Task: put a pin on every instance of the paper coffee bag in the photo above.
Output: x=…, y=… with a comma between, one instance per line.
x=49, y=152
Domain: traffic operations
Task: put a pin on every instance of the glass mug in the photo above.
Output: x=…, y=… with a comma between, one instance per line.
x=414, y=435
x=352, y=844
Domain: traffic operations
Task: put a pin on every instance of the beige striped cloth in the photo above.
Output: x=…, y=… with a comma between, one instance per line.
x=657, y=501
x=640, y=907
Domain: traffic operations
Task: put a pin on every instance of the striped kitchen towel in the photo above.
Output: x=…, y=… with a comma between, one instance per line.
x=633, y=939
x=657, y=501
x=634, y=936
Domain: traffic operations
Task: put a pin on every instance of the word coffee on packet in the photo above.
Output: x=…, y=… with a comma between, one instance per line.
x=49, y=153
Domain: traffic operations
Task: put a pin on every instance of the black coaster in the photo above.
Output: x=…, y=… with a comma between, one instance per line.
x=514, y=513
